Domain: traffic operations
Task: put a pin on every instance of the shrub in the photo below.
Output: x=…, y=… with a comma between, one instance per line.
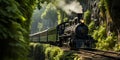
x=49, y=52
x=104, y=42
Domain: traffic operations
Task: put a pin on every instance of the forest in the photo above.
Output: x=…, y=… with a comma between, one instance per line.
x=20, y=18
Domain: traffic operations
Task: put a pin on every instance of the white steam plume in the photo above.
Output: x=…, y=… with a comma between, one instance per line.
x=73, y=6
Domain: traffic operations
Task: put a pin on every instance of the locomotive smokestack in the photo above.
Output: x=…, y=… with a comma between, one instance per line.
x=80, y=16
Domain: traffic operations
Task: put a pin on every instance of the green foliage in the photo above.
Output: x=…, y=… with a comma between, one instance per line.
x=65, y=19
x=48, y=16
x=49, y=7
x=13, y=25
x=117, y=47
x=104, y=42
x=70, y=56
x=102, y=6
x=14, y=33
x=45, y=51
x=108, y=43
x=99, y=34
x=37, y=51
x=62, y=16
x=59, y=17
x=87, y=16
x=91, y=27
x=53, y=53
x=43, y=19
x=40, y=25
x=49, y=52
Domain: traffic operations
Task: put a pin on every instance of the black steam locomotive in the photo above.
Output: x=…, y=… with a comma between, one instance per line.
x=73, y=33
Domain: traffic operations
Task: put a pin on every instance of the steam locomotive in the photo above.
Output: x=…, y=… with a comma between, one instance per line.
x=72, y=33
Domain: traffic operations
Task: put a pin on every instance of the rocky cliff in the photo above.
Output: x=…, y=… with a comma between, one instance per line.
x=104, y=12
x=106, y=16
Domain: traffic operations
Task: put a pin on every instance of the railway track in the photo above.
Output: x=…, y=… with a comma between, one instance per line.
x=94, y=54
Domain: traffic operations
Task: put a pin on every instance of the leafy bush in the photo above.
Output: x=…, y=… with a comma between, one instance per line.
x=117, y=47
x=53, y=53
x=49, y=52
x=104, y=42
x=107, y=43
x=44, y=51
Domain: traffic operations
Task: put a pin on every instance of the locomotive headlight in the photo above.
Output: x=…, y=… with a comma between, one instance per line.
x=82, y=21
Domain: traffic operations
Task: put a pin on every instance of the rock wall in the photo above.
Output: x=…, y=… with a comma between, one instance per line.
x=104, y=12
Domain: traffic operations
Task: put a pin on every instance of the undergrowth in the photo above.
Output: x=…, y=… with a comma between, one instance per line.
x=104, y=42
x=49, y=52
